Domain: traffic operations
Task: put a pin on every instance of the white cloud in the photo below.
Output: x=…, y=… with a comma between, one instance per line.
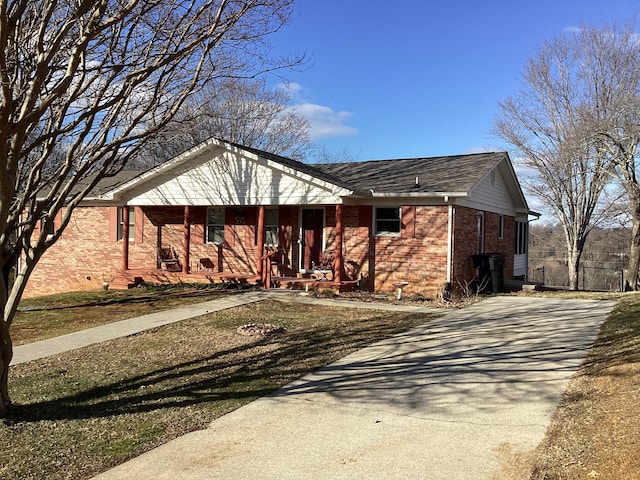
x=292, y=88
x=325, y=122
x=572, y=29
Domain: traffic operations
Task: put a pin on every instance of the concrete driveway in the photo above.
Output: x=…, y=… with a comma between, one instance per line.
x=446, y=400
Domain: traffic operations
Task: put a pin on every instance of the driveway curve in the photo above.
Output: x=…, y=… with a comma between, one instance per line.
x=446, y=400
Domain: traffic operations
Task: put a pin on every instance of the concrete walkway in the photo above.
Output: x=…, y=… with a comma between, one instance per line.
x=131, y=326
x=124, y=328
x=443, y=401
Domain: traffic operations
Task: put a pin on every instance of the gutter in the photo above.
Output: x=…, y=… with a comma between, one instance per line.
x=445, y=195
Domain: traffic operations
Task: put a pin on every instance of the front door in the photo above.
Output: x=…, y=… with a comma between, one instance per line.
x=312, y=227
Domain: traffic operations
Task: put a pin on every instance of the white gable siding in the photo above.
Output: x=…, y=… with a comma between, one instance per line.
x=234, y=180
x=491, y=194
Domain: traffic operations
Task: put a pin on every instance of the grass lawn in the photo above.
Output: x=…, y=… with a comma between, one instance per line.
x=82, y=412
x=54, y=315
x=595, y=432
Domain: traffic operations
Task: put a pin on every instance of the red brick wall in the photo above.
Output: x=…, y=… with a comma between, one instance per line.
x=418, y=255
x=466, y=242
x=356, y=239
x=87, y=253
x=81, y=259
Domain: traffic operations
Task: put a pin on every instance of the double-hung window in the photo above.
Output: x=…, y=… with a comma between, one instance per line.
x=215, y=225
x=132, y=220
x=522, y=237
x=271, y=219
x=387, y=220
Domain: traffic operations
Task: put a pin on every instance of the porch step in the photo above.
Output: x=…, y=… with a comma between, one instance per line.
x=295, y=283
x=520, y=285
x=125, y=282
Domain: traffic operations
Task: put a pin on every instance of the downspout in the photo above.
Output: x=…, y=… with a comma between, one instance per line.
x=450, y=244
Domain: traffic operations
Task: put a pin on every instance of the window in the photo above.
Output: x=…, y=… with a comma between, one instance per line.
x=132, y=218
x=480, y=231
x=215, y=225
x=501, y=227
x=48, y=225
x=387, y=220
x=271, y=220
x=522, y=237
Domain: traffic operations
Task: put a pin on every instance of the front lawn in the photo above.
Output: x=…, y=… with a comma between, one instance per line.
x=82, y=412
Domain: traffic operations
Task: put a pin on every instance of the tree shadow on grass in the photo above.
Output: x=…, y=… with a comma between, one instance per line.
x=478, y=360
x=239, y=374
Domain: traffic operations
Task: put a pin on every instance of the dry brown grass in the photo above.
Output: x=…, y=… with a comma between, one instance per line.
x=84, y=411
x=595, y=432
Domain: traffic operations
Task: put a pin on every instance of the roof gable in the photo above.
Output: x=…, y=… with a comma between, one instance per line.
x=222, y=173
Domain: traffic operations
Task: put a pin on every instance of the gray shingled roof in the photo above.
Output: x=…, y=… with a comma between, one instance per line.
x=448, y=174
x=106, y=184
x=458, y=173
x=455, y=173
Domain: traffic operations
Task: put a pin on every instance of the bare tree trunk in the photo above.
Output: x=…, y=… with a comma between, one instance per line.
x=634, y=251
x=57, y=56
x=573, y=261
x=6, y=354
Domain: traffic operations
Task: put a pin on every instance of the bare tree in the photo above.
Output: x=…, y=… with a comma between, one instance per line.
x=611, y=54
x=544, y=121
x=243, y=111
x=321, y=154
x=85, y=85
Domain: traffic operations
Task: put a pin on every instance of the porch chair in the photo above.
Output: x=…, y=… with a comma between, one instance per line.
x=168, y=259
x=207, y=265
x=324, y=267
x=279, y=262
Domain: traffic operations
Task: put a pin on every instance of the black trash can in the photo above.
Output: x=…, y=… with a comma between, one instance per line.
x=496, y=266
x=490, y=271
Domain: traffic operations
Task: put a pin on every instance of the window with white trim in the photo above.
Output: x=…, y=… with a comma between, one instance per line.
x=480, y=231
x=387, y=220
x=271, y=219
x=522, y=237
x=47, y=224
x=132, y=220
x=215, y=225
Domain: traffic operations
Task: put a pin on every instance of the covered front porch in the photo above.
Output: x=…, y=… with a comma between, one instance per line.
x=245, y=249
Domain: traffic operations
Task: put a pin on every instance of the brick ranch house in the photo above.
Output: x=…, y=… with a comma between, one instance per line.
x=216, y=211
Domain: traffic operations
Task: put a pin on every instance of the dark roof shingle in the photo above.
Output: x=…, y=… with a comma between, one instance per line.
x=457, y=173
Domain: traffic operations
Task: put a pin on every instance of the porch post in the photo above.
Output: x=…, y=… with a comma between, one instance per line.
x=260, y=242
x=338, y=264
x=186, y=242
x=125, y=237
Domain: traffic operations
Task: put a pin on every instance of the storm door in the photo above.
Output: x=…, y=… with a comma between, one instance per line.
x=312, y=229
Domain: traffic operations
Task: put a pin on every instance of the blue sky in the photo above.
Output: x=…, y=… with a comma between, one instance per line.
x=416, y=78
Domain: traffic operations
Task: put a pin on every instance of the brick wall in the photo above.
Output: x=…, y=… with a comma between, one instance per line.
x=418, y=255
x=466, y=242
x=81, y=259
x=88, y=253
